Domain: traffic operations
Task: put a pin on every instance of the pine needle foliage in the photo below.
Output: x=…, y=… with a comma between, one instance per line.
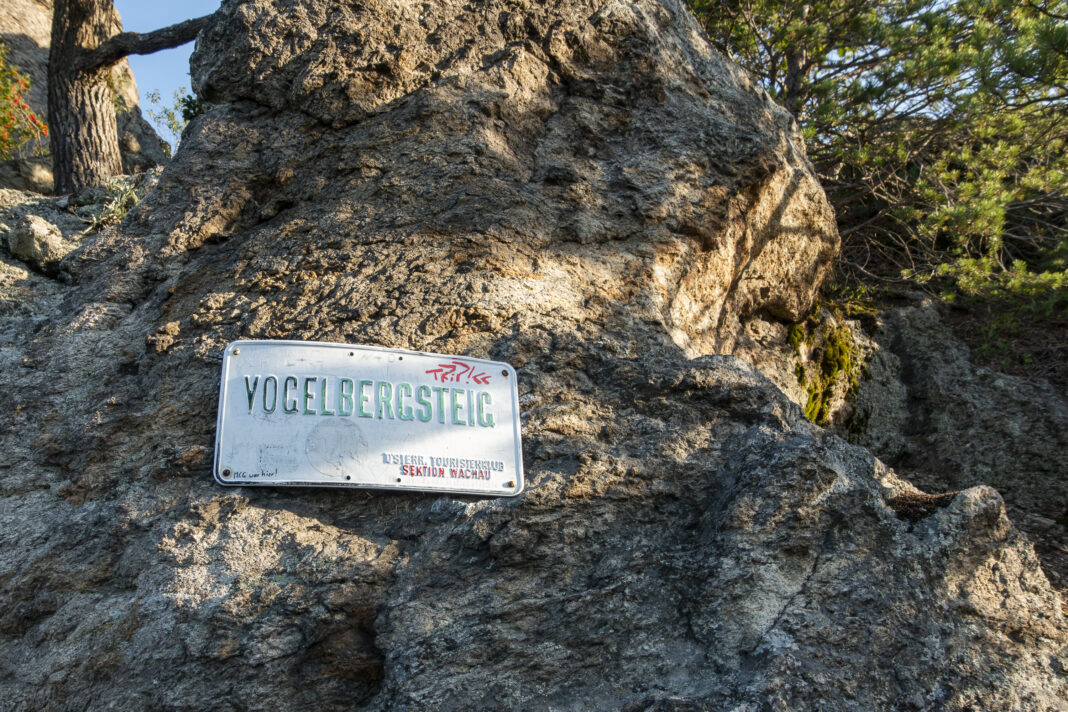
x=939, y=130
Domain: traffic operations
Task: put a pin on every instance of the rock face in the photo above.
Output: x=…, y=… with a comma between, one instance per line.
x=1010, y=424
x=26, y=29
x=584, y=190
x=35, y=229
x=926, y=410
x=900, y=383
x=599, y=124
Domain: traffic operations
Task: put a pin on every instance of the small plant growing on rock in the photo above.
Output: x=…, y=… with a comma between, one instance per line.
x=796, y=336
x=108, y=204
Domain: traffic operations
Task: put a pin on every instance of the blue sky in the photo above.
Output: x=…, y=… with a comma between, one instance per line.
x=165, y=71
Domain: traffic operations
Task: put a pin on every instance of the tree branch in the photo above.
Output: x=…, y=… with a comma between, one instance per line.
x=127, y=43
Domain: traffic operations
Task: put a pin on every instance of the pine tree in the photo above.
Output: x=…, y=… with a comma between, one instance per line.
x=939, y=128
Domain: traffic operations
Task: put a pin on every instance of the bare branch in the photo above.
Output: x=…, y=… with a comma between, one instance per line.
x=127, y=43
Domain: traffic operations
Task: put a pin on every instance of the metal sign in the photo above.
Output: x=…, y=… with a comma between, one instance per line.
x=330, y=415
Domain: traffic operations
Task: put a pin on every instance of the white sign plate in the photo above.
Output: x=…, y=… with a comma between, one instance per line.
x=330, y=415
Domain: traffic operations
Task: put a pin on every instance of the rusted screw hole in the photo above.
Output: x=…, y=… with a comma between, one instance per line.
x=398, y=479
x=400, y=358
x=227, y=472
x=352, y=353
x=509, y=484
x=237, y=351
x=348, y=477
x=504, y=373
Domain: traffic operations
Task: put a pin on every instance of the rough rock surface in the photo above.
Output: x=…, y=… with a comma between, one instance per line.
x=17, y=206
x=39, y=231
x=1008, y=423
x=585, y=190
x=926, y=409
x=26, y=29
x=38, y=243
x=913, y=396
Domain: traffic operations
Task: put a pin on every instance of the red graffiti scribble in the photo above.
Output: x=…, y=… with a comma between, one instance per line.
x=458, y=372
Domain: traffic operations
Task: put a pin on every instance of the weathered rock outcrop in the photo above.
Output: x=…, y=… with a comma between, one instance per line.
x=583, y=189
x=26, y=29
x=950, y=425
x=901, y=384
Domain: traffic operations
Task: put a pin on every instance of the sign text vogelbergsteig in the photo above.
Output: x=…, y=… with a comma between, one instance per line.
x=319, y=414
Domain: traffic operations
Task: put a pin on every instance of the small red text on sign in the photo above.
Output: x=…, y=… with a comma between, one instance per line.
x=458, y=372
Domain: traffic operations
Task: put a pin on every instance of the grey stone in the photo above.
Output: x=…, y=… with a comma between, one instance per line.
x=38, y=243
x=29, y=173
x=17, y=205
x=950, y=425
x=587, y=191
x=921, y=405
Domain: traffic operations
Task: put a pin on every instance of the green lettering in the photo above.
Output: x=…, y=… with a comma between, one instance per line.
x=308, y=395
x=404, y=412
x=274, y=397
x=364, y=399
x=422, y=397
x=470, y=408
x=441, y=403
x=345, y=400
x=251, y=390
x=285, y=395
x=384, y=400
x=485, y=418
x=323, y=401
x=457, y=405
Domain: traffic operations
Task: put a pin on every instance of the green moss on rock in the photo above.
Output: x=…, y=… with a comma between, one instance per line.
x=836, y=356
x=796, y=336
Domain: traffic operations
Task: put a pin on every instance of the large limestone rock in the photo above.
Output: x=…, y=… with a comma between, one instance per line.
x=585, y=190
x=26, y=29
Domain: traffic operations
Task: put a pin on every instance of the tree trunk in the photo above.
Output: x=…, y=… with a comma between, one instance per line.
x=796, y=68
x=81, y=104
x=81, y=109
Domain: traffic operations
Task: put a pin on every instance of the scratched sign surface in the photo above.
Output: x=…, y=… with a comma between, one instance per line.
x=316, y=414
